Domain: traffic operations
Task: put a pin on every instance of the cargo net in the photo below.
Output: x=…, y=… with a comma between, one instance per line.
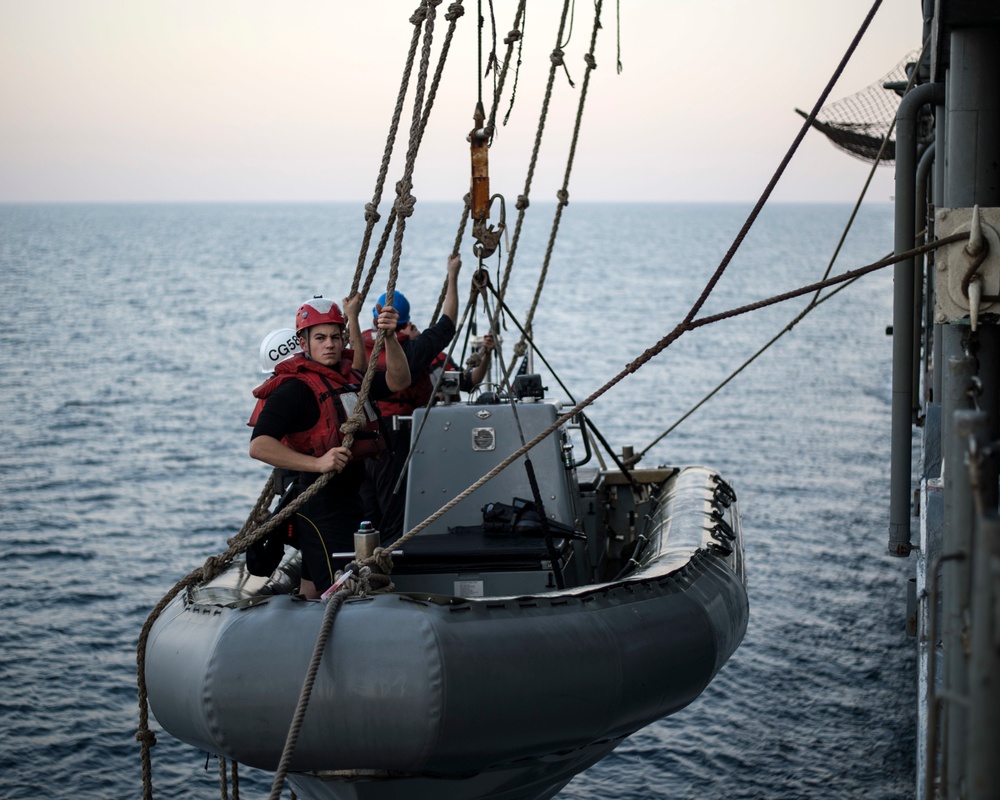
x=858, y=124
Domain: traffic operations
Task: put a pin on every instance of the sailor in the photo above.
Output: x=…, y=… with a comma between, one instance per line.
x=296, y=427
x=384, y=507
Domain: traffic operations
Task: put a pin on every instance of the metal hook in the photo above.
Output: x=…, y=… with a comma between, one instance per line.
x=488, y=236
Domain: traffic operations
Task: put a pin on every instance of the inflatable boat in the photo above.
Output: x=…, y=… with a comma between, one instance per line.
x=503, y=661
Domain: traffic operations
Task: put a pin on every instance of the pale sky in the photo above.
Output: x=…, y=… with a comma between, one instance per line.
x=261, y=100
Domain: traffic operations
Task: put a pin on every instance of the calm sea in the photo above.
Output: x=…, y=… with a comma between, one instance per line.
x=129, y=350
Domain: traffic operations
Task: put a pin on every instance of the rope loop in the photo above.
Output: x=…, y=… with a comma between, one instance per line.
x=563, y=197
x=590, y=61
x=419, y=15
x=522, y=202
x=513, y=36
x=371, y=213
x=557, y=57
x=455, y=11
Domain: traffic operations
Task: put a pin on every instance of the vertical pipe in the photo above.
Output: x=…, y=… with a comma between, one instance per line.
x=940, y=201
x=921, y=326
x=902, y=314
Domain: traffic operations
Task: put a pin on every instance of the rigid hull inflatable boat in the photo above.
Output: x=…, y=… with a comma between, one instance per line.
x=503, y=662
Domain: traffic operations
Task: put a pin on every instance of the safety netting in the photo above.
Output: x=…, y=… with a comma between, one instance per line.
x=857, y=124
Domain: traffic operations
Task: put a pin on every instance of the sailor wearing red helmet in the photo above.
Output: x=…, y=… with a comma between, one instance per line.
x=296, y=427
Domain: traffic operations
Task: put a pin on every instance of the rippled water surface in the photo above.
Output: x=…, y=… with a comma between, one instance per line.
x=129, y=350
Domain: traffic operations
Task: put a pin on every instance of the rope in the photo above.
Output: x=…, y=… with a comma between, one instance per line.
x=710, y=286
x=522, y=200
x=403, y=208
x=332, y=607
x=633, y=366
x=563, y=193
x=371, y=209
x=463, y=223
x=455, y=12
x=815, y=301
x=253, y=531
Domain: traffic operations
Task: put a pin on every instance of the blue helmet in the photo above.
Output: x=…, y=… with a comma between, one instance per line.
x=399, y=302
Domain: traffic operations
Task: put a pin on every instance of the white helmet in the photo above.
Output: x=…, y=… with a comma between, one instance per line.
x=276, y=347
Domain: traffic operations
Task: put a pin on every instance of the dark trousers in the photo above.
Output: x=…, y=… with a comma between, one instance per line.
x=381, y=507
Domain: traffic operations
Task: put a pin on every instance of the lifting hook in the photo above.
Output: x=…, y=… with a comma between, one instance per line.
x=486, y=236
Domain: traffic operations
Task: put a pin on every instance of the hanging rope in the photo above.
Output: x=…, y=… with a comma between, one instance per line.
x=512, y=38
x=455, y=12
x=522, y=200
x=371, y=209
x=332, y=607
x=563, y=193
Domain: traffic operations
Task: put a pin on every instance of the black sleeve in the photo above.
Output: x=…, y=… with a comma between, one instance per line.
x=420, y=352
x=379, y=390
x=291, y=408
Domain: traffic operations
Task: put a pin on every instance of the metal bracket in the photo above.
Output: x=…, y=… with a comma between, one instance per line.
x=967, y=278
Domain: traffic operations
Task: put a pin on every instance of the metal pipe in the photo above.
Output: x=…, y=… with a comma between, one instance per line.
x=921, y=326
x=902, y=315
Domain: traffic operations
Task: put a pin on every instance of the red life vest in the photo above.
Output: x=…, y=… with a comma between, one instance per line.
x=336, y=392
x=401, y=403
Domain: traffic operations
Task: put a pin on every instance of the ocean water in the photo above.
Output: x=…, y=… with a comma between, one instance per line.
x=129, y=350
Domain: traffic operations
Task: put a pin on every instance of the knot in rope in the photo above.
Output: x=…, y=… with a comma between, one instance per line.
x=404, y=200
x=350, y=427
x=513, y=36
x=419, y=15
x=522, y=202
x=520, y=349
x=371, y=213
x=590, y=60
x=557, y=57
x=467, y=200
x=563, y=197
x=146, y=737
x=455, y=11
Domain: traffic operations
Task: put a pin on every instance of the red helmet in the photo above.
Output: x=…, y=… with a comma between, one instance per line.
x=317, y=311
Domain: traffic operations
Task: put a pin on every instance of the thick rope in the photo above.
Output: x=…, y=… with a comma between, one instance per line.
x=563, y=193
x=455, y=12
x=371, y=209
x=250, y=533
x=522, y=200
x=403, y=209
x=332, y=607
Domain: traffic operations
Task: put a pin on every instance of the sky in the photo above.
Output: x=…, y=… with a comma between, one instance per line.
x=260, y=100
